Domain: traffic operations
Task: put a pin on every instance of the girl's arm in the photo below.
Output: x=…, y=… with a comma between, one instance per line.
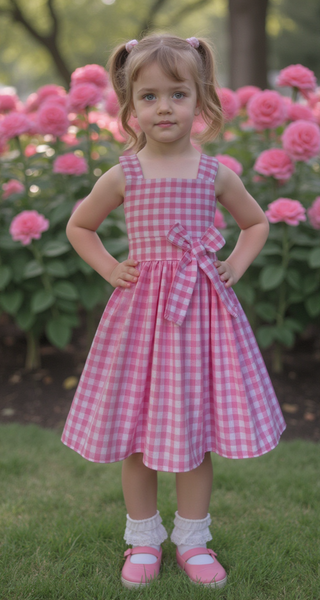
x=254, y=225
x=106, y=195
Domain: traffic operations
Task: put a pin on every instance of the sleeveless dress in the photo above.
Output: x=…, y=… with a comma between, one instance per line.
x=174, y=370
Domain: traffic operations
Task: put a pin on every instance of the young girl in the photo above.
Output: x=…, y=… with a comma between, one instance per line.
x=174, y=371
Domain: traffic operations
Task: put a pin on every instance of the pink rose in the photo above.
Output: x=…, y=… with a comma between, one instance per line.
x=13, y=186
x=246, y=92
x=198, y=125
x=32, y=103
x=301, y=140
x=267, y=110
x=83, y=95
x=52, y=118
x=313, y=98
x=230, y=162
x=70, y=139
x=30, y=150
x=112, y=104
x=284, y=209
x=13, y=125
x=230, y=103
x=27, y=226
x=90, y=74
x=297, y=76
x=50, y=90
x=219, y=221
x=314, y=213
x=274, y=163
x=300, y=111
x=70, y=164
x=8, y=102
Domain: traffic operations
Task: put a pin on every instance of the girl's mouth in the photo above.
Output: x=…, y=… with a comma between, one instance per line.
x=165, y=124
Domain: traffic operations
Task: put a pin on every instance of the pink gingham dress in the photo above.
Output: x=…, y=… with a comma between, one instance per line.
x=174, y=370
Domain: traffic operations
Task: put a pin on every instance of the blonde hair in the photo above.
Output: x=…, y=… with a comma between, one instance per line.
x=170, y=52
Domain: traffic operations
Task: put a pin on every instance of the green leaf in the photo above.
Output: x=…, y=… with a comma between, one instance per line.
x=66, y=290
x=115, y=246
x=270, y=249
x=266, y=311
x=310, y=284
x=11, y=301
x=294, y=279
x=285, y=336
x=90, y=295
x=314, y=258
x=41, y=300
x=312, y=305
x=7, y=243
x=294, y=325
x=25, y=318
x=266, y=336
x=300, y=254
x=271, y=277
x=295, y=297
x=60, y=213
x=57, y=268
x=67, y=305
x=58, y=332
x=5, y=276
x=55, y=248
x=32, y=269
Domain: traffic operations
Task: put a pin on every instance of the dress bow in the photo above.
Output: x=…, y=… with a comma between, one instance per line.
x=196, y=255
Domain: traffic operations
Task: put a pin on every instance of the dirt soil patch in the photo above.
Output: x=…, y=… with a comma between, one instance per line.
x=44, y=396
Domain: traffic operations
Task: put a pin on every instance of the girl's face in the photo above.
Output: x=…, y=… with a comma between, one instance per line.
x=165, y=108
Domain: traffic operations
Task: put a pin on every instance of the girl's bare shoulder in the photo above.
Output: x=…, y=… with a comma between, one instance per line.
x=113, y=181
x=227, y=180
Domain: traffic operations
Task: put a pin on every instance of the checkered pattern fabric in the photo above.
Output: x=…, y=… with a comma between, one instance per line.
x=174, y=370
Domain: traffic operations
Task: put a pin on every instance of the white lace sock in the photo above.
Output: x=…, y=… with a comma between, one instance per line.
x=147, y=532
x=192, y=533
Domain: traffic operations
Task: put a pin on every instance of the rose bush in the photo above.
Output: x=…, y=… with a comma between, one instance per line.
x=277, y=142
x=53, y=148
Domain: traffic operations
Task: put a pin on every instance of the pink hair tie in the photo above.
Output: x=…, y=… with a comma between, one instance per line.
x=193, y=41
x=130, y=45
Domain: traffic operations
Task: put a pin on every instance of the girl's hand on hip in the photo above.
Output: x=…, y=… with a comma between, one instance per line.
x=123, y=273
x=226, y=272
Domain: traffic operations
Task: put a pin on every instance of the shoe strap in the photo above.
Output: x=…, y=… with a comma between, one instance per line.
x=143, y=550
x=197, y=552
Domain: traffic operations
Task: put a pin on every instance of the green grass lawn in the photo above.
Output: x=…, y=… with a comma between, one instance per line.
x=62, y=523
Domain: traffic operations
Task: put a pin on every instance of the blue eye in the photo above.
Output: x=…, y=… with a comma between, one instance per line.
x=149, y=97
x=178, y=95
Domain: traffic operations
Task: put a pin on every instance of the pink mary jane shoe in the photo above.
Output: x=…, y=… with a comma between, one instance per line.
x=133, y=575
x=212, y=575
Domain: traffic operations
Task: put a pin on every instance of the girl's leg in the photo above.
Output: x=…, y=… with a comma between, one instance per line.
x=192, y=519
x=139, y=484
x=144, y=528
x=194, y=490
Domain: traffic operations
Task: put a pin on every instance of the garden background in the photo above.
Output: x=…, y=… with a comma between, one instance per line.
x=59, y=132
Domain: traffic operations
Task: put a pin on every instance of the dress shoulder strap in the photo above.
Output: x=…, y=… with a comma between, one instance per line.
x=131, y=166
x=208, y=167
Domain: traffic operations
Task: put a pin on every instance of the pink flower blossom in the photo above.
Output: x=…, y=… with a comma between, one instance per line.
x=313, y=98
x=230, y=103
x=287, y=210
x=32, y=103
x=13, y=186
x=230, y=162
x=314, y=213
x=27, y=226
x=90, y=74
x=84, y=95
x=297, y=76
x=13, y=125
x=50, y=90
x=267, y=110
x=30, y=150
x=198, y=125
x=70, y=164
x=246, y=92
x=8, y=102
x=52, y=118
x=70, y=139
x=300, y=111
x=301, y=140
x=219, y=221
x=274, y=163
x=112, y=104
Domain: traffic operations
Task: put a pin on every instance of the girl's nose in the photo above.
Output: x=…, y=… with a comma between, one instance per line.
x=164, y=106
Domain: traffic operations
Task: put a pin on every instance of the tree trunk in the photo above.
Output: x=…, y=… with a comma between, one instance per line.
x=248, y=43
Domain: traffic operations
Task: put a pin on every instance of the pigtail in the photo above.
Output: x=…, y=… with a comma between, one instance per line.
x=211, y=109
x=117, y=71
